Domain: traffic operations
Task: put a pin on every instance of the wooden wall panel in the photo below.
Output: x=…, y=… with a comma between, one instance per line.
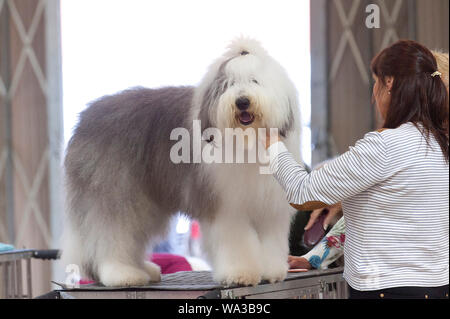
x=319, y=81
x=432, y=23
x=26, y=99
x=4, y=235
x=350, y=48
x=3, y=158
x=350, y=113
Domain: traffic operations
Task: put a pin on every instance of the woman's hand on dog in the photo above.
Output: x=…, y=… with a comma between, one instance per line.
x=271, y=137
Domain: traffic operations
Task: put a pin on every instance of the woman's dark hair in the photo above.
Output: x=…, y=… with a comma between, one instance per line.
x=416, y=96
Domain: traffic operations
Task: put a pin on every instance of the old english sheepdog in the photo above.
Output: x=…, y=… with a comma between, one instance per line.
x=123, y=186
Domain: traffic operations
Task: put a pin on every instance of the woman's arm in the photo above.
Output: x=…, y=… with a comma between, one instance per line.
x=327, y=251
x=330, y=249
x=363, y=166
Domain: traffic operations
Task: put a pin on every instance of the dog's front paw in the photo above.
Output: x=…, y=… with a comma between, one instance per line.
x=116, y=274
x=275, y=276
x=274, y=272
x=238, y=276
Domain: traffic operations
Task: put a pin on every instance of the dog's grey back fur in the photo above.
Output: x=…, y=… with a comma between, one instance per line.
x=119, y=173
x=128, y=129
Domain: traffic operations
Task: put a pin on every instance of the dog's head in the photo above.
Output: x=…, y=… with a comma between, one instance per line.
x=247, y=88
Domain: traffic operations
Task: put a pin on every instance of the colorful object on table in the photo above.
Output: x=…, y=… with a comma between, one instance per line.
x=297, y=270
x=336, y=241
x=315, y=260
x=313, y=235
x=170, y=263
x=86, y=282
x=330, y=248
x=6, y=247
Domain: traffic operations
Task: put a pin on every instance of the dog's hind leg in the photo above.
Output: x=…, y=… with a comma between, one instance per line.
x=71, y=246
x=153, y=270
x=121, y=242
x=115, y=273
x=121, y=260
x=119, y=257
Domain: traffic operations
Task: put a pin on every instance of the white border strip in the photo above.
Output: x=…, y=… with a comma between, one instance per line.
x=55, y=124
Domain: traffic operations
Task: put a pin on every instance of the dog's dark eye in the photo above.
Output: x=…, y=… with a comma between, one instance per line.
x=254, y=81
x=231, y=83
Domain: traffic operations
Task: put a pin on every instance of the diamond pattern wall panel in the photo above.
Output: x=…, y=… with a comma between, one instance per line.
x=351, y=46
x=23, y=95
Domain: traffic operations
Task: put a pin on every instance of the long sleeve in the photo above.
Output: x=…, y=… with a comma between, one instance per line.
x=329, y=249
x=361, y=167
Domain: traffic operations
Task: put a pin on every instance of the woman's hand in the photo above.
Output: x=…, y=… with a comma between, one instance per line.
x=296, y=262
x=334, y=212
x=271, y=137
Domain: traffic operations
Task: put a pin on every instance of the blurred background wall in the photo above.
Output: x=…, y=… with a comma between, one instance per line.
x=342, y=47
x=30, y=125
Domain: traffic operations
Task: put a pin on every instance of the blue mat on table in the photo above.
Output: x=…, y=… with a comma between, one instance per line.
x=6, y=247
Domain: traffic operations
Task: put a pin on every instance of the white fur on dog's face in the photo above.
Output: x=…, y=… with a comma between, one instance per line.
x=248, y=71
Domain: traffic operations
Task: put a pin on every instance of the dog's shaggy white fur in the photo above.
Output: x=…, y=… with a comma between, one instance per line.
x=122, y=186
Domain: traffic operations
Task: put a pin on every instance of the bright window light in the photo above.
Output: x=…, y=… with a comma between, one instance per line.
x=183, y=224
x=110, y=45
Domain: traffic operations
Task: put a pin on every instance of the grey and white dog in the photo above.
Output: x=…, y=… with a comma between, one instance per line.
x=123, y=187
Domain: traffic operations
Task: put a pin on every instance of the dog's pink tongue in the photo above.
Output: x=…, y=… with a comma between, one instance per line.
x=245, y=117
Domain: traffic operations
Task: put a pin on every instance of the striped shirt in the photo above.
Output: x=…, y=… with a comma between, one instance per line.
x=394, y=189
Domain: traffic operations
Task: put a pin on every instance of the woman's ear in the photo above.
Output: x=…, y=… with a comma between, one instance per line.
x=389, y=82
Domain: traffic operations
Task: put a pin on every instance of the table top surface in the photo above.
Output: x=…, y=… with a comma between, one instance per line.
x=194, y=280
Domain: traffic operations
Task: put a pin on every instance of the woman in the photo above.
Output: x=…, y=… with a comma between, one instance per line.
x=332, y=247
x=393, y=247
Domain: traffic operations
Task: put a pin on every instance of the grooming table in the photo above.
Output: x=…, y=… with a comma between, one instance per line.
x=15, y=266
x=314, y=284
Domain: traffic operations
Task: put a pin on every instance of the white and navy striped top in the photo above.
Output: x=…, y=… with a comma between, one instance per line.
x=394, y=190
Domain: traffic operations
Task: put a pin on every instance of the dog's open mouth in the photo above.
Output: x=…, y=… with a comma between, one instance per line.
x=246, y=118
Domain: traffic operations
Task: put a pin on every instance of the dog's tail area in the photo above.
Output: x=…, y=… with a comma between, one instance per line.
x=74, y=257
x=71, y=247
x=76, y=251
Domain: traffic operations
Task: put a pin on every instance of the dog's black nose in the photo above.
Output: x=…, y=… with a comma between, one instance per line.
x=242, y=103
